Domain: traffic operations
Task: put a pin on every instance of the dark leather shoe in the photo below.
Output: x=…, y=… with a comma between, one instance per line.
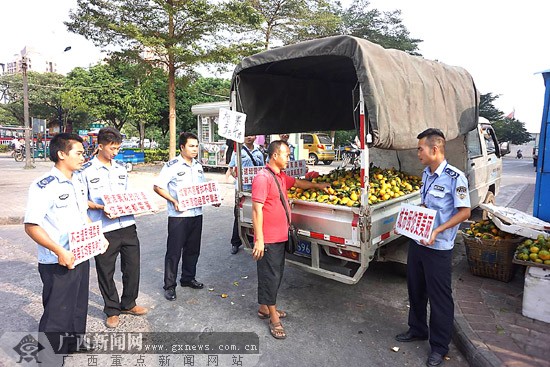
x=193, y=284
x=170, y=294
x=435, y=359
x=409, y=337
x=234, y=249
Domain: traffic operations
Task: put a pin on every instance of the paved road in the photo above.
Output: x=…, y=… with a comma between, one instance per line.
x=329, y=323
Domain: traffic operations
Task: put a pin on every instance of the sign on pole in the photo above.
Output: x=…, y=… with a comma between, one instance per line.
x=198, y=195
x=415, y=222
x=231, y=124
x=86, y=242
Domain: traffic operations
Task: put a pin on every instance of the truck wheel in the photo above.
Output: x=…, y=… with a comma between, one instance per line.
x=129, y=166
x=313, y=157
x=327, y=163
x=489, y=199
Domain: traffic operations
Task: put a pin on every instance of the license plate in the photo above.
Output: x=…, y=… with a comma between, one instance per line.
x=303, y=249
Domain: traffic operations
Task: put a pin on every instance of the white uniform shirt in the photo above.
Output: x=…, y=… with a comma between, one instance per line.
x=247, y=161
x=58, y=205
x=177, y=174
x=445, y=191
x=101, y=179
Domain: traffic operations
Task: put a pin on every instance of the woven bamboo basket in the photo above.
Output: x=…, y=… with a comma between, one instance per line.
x=491, y=258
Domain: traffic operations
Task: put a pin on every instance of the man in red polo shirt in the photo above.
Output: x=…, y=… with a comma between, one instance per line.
x=271, y=230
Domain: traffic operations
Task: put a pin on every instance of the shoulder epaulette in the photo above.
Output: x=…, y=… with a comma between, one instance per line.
x=45, y=181
x=172, y=162
x=451, y=172
x=86, y=165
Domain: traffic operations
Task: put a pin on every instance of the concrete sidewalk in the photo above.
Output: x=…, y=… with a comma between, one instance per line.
x=489, y=327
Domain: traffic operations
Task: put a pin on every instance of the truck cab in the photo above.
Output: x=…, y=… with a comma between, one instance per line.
x=484, y=165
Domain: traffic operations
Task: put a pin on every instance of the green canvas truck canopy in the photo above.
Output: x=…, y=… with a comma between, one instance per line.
x=314, y=86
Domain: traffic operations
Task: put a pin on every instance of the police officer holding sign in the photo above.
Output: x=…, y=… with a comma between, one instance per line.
x=429, y=264
x=184, y=225
x=57, y=205
x=103, y=175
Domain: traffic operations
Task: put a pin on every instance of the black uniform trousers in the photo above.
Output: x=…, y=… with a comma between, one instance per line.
x=235, y=238
x=429, y=279
x=184, y=240
x=123, y=241
x=270, y=273
x=65, y=301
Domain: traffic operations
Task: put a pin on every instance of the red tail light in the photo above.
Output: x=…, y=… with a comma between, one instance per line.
x=320, y=146
x=343, y=253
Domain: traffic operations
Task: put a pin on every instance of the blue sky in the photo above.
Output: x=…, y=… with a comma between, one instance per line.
x=500, y=43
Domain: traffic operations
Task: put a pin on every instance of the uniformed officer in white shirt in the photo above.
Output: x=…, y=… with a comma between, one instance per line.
x=429, y=264
x=57, y=205
x=103, y=175
x=251, y=156
x=184, y=227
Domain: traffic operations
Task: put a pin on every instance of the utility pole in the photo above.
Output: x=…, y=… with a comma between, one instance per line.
x=28, y=163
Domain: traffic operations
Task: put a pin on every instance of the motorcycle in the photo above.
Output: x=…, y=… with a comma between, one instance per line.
x=351, y=154
x=19, y=154
x=519, y=154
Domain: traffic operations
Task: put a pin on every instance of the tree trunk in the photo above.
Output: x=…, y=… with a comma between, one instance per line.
x=141, y=134
x=171, y=92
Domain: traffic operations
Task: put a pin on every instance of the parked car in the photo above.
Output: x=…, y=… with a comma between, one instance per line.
x=320, y=148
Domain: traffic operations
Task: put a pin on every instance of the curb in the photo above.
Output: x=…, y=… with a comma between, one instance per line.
x=476, y=352
x=8, y=221
x=466, y=340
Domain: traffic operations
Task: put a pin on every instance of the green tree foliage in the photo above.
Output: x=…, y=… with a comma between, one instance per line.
x=291, y=21
x=279, y=18
x=201, y=90
x=384, y=28
x=105, y=91
x=507, y=129
x=487, y=109
x=511, y=130
x=44, y=95
x=175, y=33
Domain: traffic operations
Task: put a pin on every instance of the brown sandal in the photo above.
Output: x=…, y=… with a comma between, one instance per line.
x=277, y=330
x=264, y=315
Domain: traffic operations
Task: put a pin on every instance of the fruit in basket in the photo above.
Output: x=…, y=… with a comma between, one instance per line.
x=536, y=251
x=544, y=255
x=487, y=230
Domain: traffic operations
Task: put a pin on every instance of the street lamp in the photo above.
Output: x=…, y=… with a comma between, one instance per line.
x=59, y=108
x=28, y=163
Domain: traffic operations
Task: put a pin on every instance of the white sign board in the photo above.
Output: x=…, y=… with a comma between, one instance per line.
x=296, y=168
x=198, y=195
x=127, y=203
x=249, y=173
x=231, y=124
x=86, y=242
x=415, y=222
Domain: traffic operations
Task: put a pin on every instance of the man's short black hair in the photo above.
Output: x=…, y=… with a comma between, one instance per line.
x=184, y=136
x=62, y=142
x=431, y=132
x=109, y=135
x=275, y=146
